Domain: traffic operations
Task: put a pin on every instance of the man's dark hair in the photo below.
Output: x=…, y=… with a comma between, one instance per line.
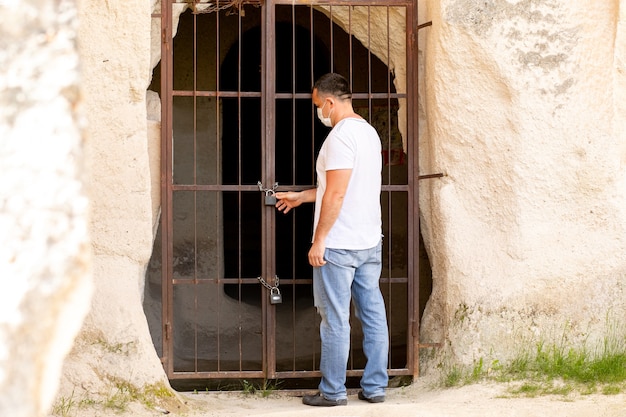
x=333, y=84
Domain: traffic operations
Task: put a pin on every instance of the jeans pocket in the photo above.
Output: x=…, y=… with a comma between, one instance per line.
x=340, y=257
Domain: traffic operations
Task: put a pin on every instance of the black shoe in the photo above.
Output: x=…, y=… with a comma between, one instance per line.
x=376, y=399
x=320, y=401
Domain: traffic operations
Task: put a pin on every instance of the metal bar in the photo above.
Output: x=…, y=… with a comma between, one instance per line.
x=195, y=194
x=208, y=93
x=355, y=96
x=240, y=205
x=332, y=40
x=279, y=375
x=188, y=281
x=216, y=374
x=268, y=89
x=221, y=240
x=413, y=137
x=424, y=25
x=166, y=184
x=369, y=63
x=219, y=280
x=389, y=202
x=293, y=179
x=425, y=177
x=312, y=47
x=209, y=187
x=345, y=2
x=350, y=60
x=218, y=175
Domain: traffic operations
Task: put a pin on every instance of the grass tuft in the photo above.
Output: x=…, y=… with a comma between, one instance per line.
x=552, y=370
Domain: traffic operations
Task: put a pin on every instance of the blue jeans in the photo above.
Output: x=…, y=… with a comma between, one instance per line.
x=351, y=274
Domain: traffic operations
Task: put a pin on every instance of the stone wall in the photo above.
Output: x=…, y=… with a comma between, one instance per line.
x=527, y=231
x=45, y=258
x=114, y=348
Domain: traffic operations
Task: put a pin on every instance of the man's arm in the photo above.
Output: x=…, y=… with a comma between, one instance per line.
x=332, y=200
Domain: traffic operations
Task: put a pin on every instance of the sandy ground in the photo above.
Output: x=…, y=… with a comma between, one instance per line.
x=418, y=400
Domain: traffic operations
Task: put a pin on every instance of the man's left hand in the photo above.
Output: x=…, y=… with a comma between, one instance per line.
x=316, y=254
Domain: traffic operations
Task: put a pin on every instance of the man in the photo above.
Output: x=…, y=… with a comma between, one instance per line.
x=346, y=251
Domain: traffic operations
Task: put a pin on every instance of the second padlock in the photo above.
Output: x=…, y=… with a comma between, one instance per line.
x=275, y=296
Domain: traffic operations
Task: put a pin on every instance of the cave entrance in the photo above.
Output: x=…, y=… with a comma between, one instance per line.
x=237, y=117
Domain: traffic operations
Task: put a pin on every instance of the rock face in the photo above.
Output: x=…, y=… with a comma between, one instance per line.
x=527, y=231
x=45, y=257
x=114, y=348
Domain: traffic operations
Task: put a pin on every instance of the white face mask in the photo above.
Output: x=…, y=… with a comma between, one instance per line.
x=325, y=120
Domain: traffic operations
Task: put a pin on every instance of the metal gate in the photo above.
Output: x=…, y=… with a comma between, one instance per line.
x=236, y=79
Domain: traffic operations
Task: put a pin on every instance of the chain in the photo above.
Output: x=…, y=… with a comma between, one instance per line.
x=267, y=190
x=268, y=286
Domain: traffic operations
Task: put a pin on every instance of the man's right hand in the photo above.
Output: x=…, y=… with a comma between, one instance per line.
x=288, y=200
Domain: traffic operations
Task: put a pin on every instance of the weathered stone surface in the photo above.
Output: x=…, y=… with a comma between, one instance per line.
x=45, y=258
x=114, y=346
x=527, y=230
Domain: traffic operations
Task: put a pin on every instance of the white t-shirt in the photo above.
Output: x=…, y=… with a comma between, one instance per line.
x=353, y=144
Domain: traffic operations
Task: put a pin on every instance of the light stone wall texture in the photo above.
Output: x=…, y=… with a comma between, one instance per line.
x=45, y=257
x=526, y=233
x=114, y=348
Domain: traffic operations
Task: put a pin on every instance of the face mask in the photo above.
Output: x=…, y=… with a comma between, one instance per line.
x=325, y=120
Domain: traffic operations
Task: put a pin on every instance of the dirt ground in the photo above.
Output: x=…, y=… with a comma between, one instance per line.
x=417, y=400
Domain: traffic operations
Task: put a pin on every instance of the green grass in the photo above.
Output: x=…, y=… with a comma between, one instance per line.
x=64, y=406
x=264, y=387
x=551, y=370
x=121, y=394
x=578, y=366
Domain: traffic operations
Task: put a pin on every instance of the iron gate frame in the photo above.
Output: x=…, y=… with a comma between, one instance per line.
x=269, y=96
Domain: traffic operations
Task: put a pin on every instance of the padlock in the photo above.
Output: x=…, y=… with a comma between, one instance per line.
x=275, y=297
x=270, y=198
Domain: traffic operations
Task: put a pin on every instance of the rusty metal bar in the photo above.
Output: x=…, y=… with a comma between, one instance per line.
x=424, y=25
x=355, y=96
x=231, y=94
x=346, y=2
x=195, y=194
x=350, y=63
x=239, y=193
x=312, y=46
x=428, y=176
x=166, y=184
x=390, y=261
x=413, y=148
x=332, y=40
x=369, y=63
x=268, y=90
x=219, y=193
x=183, y=281
x=293, y=180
